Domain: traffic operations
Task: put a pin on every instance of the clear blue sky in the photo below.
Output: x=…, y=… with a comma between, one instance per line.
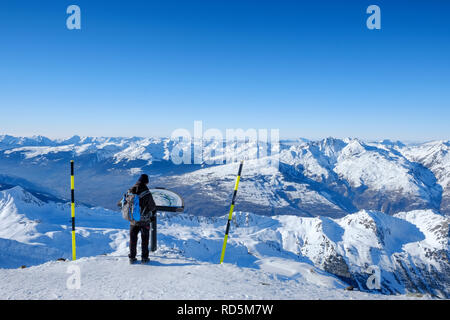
x=144, y=68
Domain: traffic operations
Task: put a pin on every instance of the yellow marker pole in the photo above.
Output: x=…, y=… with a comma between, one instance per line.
x=72, y=190
x=230, y=216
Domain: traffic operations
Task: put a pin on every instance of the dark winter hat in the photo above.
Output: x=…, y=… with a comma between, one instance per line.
x=143, y=178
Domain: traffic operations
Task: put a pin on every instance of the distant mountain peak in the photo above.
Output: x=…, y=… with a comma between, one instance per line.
x=353, y=147
x=17, y=193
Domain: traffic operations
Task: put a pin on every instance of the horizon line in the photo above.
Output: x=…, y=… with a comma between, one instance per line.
x=287, y=139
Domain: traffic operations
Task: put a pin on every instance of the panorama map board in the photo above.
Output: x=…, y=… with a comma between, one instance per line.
x=167, y=200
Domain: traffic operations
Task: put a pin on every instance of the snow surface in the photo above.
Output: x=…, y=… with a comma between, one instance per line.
x=171, y=276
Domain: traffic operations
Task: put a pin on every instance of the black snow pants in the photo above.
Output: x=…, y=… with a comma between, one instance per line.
x=145, y=234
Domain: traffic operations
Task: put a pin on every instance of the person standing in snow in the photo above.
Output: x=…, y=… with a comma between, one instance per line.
x=147, y=208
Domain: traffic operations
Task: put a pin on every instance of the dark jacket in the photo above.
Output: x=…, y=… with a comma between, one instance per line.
x=146, y=203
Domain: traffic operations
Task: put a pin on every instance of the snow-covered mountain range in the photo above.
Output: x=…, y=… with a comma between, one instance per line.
x=331, y=177
x=268, y=257
x=328, y=214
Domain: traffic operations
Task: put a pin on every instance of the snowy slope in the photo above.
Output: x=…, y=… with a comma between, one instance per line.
x=369, y=177
x=39, y=231
x=276, y=257
x=436, y=157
